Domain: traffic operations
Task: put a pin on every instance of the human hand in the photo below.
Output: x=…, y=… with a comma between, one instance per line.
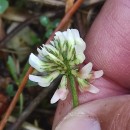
x=108, y=48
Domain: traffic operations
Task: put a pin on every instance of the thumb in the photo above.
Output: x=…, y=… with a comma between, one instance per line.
x=79, y=122
x=104, y=114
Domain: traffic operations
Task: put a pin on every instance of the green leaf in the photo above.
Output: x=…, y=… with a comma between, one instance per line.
x=56, y=22
x=44, y=21
x=12, y=68
x=35, y=40
x=48, y=33
x=10, y=90
x=3, y=6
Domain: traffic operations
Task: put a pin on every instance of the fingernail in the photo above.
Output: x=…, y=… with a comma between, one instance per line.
x=79, y=123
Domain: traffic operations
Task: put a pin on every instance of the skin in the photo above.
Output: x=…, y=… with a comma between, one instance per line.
x=108, y=48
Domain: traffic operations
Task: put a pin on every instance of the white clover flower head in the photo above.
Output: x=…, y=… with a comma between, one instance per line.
x=61, y=56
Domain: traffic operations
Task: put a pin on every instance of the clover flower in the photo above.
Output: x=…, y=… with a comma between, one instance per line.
x=63, y=56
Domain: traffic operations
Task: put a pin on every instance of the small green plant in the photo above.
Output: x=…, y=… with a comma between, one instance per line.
x=10, y=88
x=17, y=77
x=4, y=4
x=49, y=25
x=12, y=68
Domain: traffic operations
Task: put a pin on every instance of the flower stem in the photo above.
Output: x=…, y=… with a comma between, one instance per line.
x=73, y=90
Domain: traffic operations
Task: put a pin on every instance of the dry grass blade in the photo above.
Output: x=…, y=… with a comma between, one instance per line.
x=25, y=125
x=69, y=4
x=15, y=15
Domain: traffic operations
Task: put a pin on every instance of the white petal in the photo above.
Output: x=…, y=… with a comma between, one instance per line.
x=78, y=40
x=98, y=74
x=80, y=57
x=92, y=89
x=78, y=49
x=75, y=33
x=42, y=84
x=55, y=98
x=60, y=36
x=68, y=36
x=35, y=62
x=63, y=93
x=60, y=93
x=44, y=51
x=41, y=56
x=65, y=35
x=42, y=80
x=35, y=78
x=39, y=51
x=85, y=71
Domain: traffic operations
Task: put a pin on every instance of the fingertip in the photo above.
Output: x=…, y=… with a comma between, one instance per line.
x=79, y=122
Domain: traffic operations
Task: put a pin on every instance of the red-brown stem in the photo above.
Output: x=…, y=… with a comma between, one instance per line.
x=65, y=19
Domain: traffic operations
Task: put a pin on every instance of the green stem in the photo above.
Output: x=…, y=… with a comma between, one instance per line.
x=21, y=103
x=73, y=90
